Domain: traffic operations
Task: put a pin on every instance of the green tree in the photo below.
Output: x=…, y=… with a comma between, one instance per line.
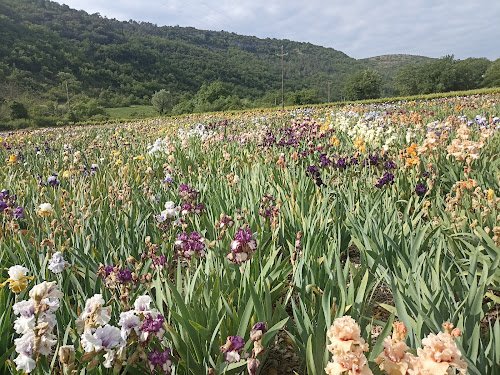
x=18, y=111
x=365, y=84
x=406, y=81
x=471, y=72
x=210, y=93
x=85, y=108
x=492, y=75
x=162, y=101
x=302, y=97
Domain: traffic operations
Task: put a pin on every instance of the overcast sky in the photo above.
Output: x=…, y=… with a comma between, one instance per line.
x=359, y=28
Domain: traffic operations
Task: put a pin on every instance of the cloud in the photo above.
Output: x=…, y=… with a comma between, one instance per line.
x=359, y=28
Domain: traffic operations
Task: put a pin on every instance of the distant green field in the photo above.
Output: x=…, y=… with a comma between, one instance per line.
x=132, y=112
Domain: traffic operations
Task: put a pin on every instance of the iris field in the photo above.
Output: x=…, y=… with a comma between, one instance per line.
x=357, y=239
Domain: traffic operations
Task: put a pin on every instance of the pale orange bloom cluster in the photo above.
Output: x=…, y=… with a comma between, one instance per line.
x=438, y=356
x=347, y=347
x=461, y=148
x=432, y=142
x=394, y=359
x=412, y=118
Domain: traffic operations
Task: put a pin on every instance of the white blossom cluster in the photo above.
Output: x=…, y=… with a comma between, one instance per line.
x=199, y=131
x=99, y=336
x=161, y=145
x=373, y=129
x=36, y=321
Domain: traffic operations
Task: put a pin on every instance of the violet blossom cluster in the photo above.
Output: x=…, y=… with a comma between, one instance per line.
x=114, y=276
x=144, y=321
x=313, y=171
x=386, y=179
x=160, y=360
x=190, y=201
x=232, y=349
x=7, y=204
x=189, y=245
x=243, y=246
x=35, y=323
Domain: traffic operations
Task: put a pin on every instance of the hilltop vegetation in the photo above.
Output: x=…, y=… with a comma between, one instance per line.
x=60, y=64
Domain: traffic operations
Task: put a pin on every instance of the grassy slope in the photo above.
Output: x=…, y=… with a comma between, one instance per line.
x=132, y=112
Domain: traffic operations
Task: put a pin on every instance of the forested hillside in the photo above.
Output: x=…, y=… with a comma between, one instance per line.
x=45, y=44
x=57, y=62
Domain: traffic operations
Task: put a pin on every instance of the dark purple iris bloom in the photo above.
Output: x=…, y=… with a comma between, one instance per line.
x=3, y=206
x=313, y=171
x=373, y=159
x=387, y=178
x=124, y=276
x=354, y=161
x=109, y=269
x=324, y=161
x=389, y=164
x=319, y=182
x=420, y=190
x=18, y=213
x=341, y=163
x=426, y=175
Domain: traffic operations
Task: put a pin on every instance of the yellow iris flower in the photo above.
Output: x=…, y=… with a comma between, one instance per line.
x=18, y=281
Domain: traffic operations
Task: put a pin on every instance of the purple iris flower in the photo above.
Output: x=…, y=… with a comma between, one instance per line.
x=124, y=276
x=420, y=190
x=18, y=213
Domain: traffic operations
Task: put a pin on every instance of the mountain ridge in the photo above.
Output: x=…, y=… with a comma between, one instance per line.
x=48, y=45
